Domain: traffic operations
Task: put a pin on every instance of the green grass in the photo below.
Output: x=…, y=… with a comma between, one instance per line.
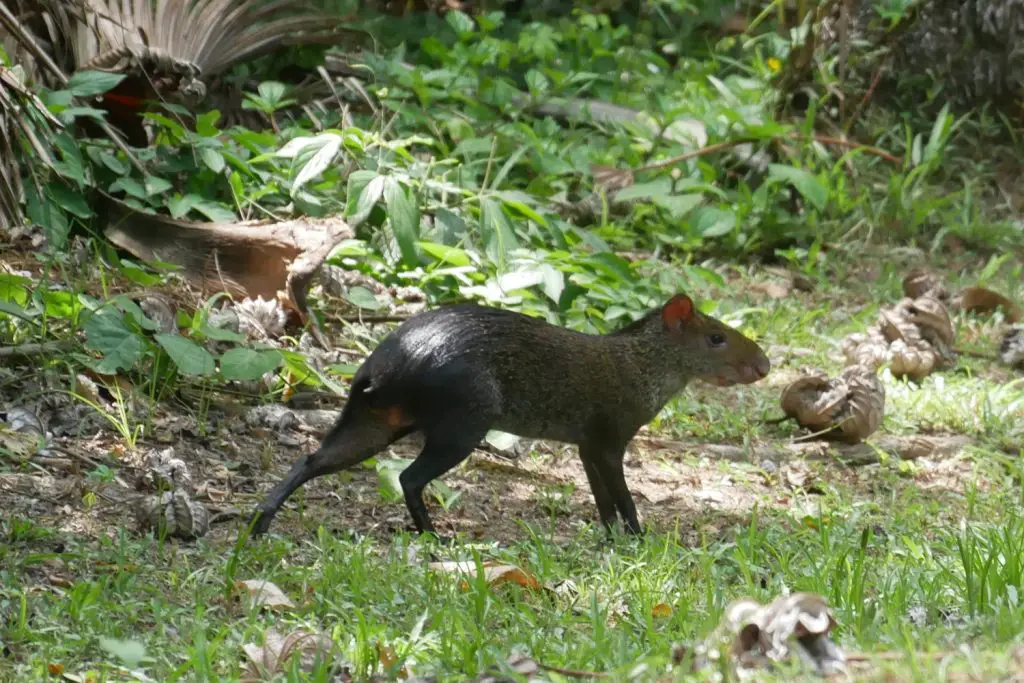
x=899, y=575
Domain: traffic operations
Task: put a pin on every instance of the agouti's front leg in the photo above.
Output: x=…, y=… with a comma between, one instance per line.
x=447, y=444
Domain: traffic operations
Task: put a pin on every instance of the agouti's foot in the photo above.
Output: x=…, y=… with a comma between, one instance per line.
x=262, y=522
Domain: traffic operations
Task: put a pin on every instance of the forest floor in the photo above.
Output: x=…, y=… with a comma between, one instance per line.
x=921, y=558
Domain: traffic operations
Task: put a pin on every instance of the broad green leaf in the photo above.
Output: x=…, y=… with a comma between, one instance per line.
x=156, y=185
x=88, y=83
x=451, y=255
x=190, y=358
x=220, y=333
x=711, y=221
x=453, y=228
x=322, y=150
x=517, y=202
x=369, y=193
x=213, y=159
x=214, y=212
x=248, y=364
x=554, y=282
x=106, y=332
x=363, y=298
x=498, y=236
x=537, y=82
x=405, y=219
x=804, y=181
x=113, y=163
x=180, y=206
x=71, y=201
x=460, y=22
x=129, y=186
x=13, y=309
x=679, y=204
x=130, y=652
x=14, y=288
x=206, y=123
x=661, y=187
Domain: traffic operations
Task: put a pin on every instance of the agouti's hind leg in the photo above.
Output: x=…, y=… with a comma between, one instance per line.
x=354, y=439
x=604, y=501
x=447, y=444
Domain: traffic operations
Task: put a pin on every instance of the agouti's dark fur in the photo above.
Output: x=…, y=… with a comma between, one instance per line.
x=458, y=371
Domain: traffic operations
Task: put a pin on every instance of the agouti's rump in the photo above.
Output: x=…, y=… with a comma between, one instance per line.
x=457, y=371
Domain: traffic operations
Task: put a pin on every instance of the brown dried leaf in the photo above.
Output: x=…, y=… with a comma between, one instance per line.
x=849, y=407
x=981, y=300
x=611, y=179
x=661, y=611
x=494, y=573
x=1011, y=349
x=270, y=659
x=932, y=320
x=757, y=635
x=388, y=658
x=173, y=513
x=265, y=594
x=922, y=282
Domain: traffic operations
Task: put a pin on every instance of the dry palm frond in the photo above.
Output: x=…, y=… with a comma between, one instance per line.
x=25, y=127
x=196, y=37
x=168, y=49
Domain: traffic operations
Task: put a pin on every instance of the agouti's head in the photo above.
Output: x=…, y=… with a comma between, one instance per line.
x=712, y=351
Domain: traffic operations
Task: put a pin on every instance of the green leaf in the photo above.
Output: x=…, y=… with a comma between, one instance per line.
x=499, y=238
x=190, y=358
x=12, y=309
x=453, y=228
x=450, y=255
x=248, y=364
x=537, y=82
x=155, y=185
x=129, y=186
x=106, y=332
x=205, y=123
x=214, y=212
x=460, y=22
x=363, y=298
x=220, y=333
x=317, y=152
x=405, y=219
x=804, y=181
x=654, y=188
x=71, y=201
x=113, y=163
x=714, y=222
x=180, y=206
x=88, y=83
x=554, y=282
x=678, y=205
x=130, y=652
x=213, y=159
x=364, y=190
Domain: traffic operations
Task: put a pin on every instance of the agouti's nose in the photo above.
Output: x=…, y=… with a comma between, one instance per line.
x=757, y=369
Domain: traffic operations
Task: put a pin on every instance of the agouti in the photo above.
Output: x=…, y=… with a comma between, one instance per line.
x=456, y=372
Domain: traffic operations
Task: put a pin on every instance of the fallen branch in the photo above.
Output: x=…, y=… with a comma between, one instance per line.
x=34, y=349
x=246, y=258
x=853, y=455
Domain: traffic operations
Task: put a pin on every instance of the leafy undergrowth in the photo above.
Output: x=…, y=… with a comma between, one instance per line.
x=921, y=561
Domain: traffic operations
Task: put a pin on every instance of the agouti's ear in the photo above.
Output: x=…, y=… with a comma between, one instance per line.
x=678, y=311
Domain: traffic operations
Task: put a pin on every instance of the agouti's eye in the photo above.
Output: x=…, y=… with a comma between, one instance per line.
x=717, y=339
